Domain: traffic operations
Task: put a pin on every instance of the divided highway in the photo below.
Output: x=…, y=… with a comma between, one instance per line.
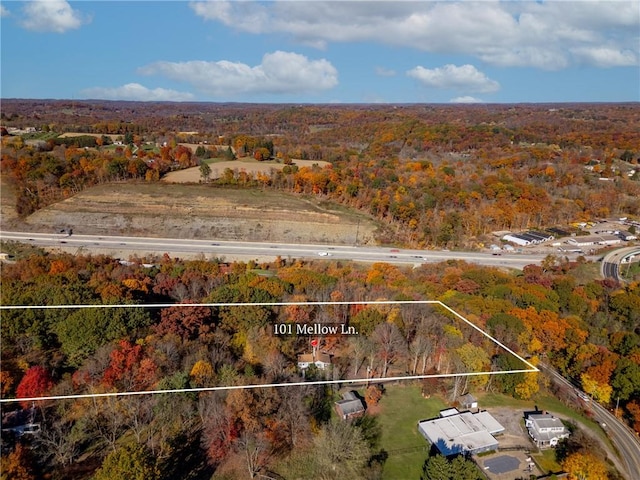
x=230, y=250
x=612, y=261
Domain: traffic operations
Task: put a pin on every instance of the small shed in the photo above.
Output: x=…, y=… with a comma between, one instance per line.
x=350, y=406
x=468, y=401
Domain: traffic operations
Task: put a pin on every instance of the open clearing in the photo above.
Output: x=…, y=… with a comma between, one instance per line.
x=192, y=175
x=204, y=211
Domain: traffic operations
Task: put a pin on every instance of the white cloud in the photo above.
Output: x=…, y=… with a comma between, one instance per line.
x=279, y=73
x=3, y=11
x=385, y=72
x=51, y=16
x=464, y=78
x=606, y=57
x=137, y=92
x=528, y=34
x=465, y=99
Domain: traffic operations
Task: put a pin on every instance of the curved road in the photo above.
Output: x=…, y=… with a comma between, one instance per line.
x=248, y=250
x=623, y=438
x=612, y=260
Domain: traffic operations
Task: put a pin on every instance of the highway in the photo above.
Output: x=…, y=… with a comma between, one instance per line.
x=612, y=261
x=623, y=438
x=233, y=250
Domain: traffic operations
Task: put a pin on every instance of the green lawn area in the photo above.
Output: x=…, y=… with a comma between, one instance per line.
x=546, y=460
x=401, y=407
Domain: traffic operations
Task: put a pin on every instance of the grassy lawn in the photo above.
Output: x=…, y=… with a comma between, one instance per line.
x=546, y=460
x=401, y=407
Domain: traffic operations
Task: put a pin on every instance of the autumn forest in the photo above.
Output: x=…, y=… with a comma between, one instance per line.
x=432, y=176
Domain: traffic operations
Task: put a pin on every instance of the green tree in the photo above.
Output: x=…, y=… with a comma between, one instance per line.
x=464, y=469
x=131, y=462
x=84, y=330
x=229, y=155
x=201, y=152
x=436, y=468
x=626, y=379
x=205, y=171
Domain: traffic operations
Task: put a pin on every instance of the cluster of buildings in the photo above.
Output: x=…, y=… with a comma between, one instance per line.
x=455, y=432
x=528, y=238
x=604, y=238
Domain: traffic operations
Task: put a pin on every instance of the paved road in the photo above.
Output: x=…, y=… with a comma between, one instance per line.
x=612, y=261
x=623, y=438
x=247, y=250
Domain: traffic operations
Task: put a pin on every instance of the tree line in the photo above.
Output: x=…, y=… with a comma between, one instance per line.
x=586, y=329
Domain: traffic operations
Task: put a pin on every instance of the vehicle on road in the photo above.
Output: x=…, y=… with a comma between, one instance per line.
x=583, y=396
x=324, y=254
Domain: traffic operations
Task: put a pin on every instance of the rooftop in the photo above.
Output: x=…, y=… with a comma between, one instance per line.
x=463, y=432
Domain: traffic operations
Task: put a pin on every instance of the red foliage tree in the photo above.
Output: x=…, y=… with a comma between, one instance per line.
x=35, y=383
x=185, y=322
x=129, y=368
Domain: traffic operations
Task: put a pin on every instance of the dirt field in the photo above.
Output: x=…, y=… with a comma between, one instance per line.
x=192, y=175
x=203, y=211
x=7, y=201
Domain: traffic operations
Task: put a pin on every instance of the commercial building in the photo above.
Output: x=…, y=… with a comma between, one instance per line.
x=454, y=432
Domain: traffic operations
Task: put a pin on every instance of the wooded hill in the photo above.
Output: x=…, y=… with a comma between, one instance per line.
x=588, y=329
x=436, y=174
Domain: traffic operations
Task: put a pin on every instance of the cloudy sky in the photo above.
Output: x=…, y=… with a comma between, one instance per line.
x=306, y=51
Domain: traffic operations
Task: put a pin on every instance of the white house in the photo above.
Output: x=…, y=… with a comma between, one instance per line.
x=320, y=360
x=545, y=429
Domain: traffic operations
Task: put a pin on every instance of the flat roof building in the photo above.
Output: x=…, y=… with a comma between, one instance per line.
x=462, y=432
x=594, y=240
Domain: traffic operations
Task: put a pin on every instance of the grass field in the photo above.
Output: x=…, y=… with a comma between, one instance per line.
x=401, y=408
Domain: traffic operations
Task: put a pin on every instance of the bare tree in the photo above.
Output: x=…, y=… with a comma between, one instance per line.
x=138, y=411
x=274, y=365
x=107, y=419
x=420, y=347
x=340, y=452
x=256, y=451
x=294, y=414
x=61, y=441
x=390, y=344
x=359, y=348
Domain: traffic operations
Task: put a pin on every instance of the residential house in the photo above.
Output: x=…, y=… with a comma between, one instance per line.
x=321, y=360
x=545, y=429
x=350, y=406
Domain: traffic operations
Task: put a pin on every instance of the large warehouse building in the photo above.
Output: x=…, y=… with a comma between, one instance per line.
x=454, y=432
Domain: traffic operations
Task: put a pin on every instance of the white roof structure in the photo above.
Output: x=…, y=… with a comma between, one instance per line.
x=463, y=433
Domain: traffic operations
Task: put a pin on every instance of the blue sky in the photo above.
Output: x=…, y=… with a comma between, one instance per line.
x=305, y=51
